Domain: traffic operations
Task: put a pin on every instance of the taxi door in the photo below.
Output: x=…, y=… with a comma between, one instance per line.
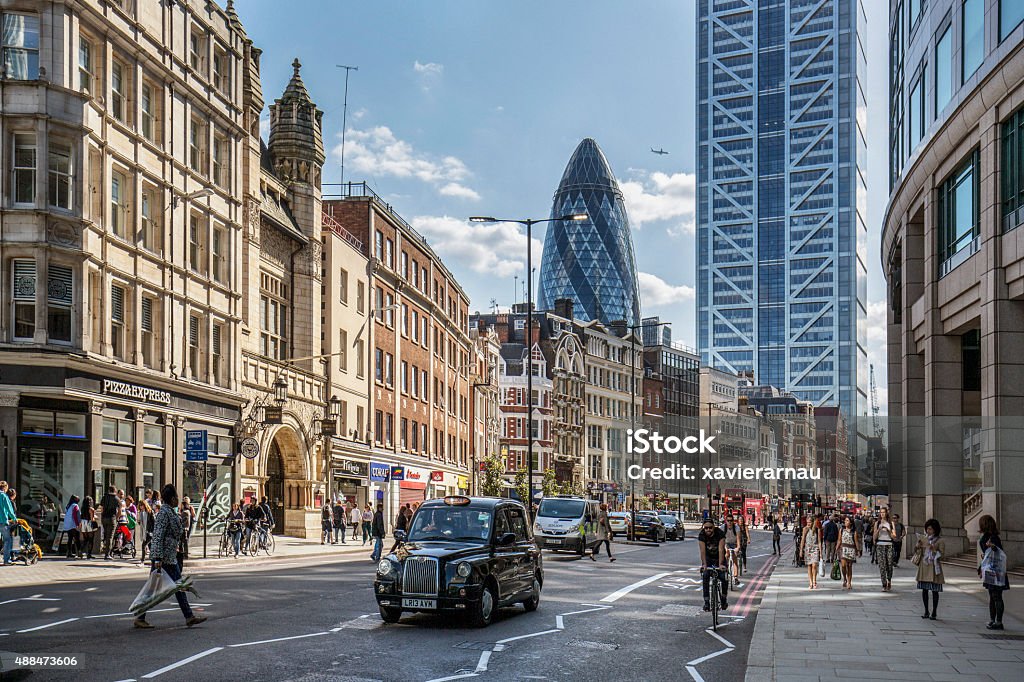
x=507, y=558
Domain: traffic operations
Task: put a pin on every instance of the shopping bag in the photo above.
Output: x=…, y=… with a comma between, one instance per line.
x=159, y=586
x=821, y=568
x=837, y=573
x=131, y=522
x=993, y=567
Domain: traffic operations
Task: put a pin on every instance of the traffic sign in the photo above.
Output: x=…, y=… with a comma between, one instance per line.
x=195, y=446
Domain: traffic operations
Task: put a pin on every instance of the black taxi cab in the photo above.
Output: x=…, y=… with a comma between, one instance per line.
x=468, y=555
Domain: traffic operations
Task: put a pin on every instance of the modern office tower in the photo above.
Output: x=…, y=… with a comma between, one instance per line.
x=590, y=261
x=952, y=254
x=781, y=236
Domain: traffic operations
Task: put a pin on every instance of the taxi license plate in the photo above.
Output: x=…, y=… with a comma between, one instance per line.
x=419, y=603
x=554, y=542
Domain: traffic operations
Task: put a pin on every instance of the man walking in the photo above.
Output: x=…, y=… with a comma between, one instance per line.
x=776, y=537
x=377, y=531
x=355, y=517
x=110, y=505
x=830, y=534
x=897, y=541
x=7, y=517
x=340, y=521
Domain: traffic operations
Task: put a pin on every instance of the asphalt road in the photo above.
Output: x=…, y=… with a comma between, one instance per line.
x=639, y=618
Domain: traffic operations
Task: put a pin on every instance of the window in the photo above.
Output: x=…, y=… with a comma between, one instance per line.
x=405, y=320
x=389, y=254
x=389, y=369
x=360, y=298
x=378, y=245
x=424, y=388
x=415, y=326
x=217, y=353
x=59, y=188
x=916, y=113
x=914, y=12
x=118, y=430
x=958, y=215
x=378, y=364
x=195, y=356
x=378, y=426
x=415, y=434
x=24, y=298
x=1011, y=13
x=148, y=112
x=360, y=359
x=273, y=317
x=197, y=51
x=196, y=144
x=404, y=378
x=415, y=381
x=85, y=71
x=21, y=46
x=1013, y=170
x=943, y=69
x=24, y=169
x=117, y=322
x=389, y=428
x=148, y=333
x=118, y=203
x=118, y=91
x=151, y=235
x=973, y=37
x=389, y=301
x=60, y=297
x=342, y=350
x=220, y=255
x=221, y=167
x=195, y=244
x=343, y=286
x=415, y=275
x=970, y=360
x=153, y=436
x=403, y=431
x=221, y=71
x=405, y=265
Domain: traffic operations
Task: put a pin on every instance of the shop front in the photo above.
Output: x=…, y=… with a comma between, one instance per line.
x=412, y=484
x=78, y=434
x=350, y=481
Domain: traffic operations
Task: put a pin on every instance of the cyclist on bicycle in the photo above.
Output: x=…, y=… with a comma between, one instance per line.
x=254, y=515
x=712, y=552
x=733, y=533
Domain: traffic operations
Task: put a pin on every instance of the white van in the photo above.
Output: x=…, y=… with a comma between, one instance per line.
x=565, y=522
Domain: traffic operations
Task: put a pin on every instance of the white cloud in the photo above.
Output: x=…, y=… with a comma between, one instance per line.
x=654, y=291
x=497, y=249
x=876, y=324
x=661, y=197
x=265, y=127
x=378, y=152
x=429, y=74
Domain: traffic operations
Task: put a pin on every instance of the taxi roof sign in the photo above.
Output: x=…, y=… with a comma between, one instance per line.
x=456, y=500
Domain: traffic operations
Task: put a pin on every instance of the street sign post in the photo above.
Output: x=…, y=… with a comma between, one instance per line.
x=196, y=451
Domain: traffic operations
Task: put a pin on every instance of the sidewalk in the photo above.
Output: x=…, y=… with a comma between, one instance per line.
x=802, y=635
x=56, y=569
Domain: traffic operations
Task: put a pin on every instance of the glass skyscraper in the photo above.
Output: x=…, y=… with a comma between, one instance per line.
x=781, y=237
x=590, y=261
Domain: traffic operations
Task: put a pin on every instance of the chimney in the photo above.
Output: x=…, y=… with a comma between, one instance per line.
x=519, y=308
x=618, y=327
x=563, y=308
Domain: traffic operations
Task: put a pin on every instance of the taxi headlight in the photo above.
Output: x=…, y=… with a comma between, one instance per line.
x=464, y=569
x=385, y=567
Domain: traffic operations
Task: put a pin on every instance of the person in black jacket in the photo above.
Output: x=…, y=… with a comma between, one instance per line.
x=340, y=522
x=110, y=505
x=377, y=531
x=990, y=538
x=402, y=523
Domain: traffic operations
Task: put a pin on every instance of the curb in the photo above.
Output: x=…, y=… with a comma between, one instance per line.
x=213, y=561
x=761, y=653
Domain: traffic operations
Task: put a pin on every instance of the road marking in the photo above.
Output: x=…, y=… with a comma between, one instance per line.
x=596, y=608
x=559, y=623
x=279, y=639
x=481, y=665
x=698, y=661
x=35, y=597
x=48, y=625
x=694, y=674
x=618, y=594
x=115, y=615
x=452, y=677
x=721, y=639
x=184, y=661
x=532, y=634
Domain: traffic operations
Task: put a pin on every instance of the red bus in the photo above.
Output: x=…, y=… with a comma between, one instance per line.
x=749, y=502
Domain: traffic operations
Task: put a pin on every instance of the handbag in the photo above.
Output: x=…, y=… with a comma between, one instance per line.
x=837, y=573
x=918, y=555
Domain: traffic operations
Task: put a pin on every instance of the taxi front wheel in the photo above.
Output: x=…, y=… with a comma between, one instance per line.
x=533, y=602
x=389, y=614
x=484, y=612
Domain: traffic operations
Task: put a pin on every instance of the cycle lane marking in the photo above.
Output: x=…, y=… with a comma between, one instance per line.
x=184, y=661
x=622, y=592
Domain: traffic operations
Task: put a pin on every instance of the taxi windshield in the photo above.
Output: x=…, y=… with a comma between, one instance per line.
x=451, y=523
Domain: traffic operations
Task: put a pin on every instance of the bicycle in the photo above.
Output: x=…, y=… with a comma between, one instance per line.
x=732, y=566
x=714, y=594
x=261, y=538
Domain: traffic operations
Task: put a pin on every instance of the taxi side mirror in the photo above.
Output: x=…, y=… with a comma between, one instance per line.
x=506, y=539
x=400, y=536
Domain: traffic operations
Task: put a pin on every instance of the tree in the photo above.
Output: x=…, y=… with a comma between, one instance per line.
x=492, y=476
x=522, y=489
x=549, y=485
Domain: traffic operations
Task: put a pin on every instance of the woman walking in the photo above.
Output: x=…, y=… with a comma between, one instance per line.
x=990, y=540
x=72, y=518
x=167, y=533
x=849, y=550
x=928, y=557
x=810, y=549
x=236, y=525
x=367, y=520
x=798, y=532
x=776, y=537
x=604, y=534
x=885, y=533
x=326, y=524
x=87, y=526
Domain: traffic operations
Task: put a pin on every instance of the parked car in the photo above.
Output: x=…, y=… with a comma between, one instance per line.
x=619, y=522
x=673, y=527
x=468, y=555
x=650, y=527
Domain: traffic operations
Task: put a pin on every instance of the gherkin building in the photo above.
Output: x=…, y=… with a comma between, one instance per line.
x=590, y=261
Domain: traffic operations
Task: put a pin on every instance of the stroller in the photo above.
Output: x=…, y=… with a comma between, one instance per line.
x=29, y=551
x=123, y=544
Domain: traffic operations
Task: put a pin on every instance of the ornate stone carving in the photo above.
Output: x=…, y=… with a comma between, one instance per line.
x=252, y=220
x=274, y=246
x=96, y=406
x=9, y=399
x=312, y=260
x=61, y=233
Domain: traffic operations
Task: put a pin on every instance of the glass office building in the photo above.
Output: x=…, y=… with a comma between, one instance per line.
x=590, y=261
x=781, y=237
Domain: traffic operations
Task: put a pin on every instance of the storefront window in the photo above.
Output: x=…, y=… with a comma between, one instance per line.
x=151, y=473
x=70, y=425
x=49, y=477
x=37, y=422
x=153, y=435
x=118, y=430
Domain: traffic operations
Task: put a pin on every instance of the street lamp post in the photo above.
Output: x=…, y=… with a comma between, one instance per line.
x=632, y=415
x=529, y=223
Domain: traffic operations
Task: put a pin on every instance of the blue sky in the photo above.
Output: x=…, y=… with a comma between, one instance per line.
x=468, y=107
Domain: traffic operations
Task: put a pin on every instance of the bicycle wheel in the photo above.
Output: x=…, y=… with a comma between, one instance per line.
x=222, y=547
x=254, y=543
x=715, y=597
x=268, y=544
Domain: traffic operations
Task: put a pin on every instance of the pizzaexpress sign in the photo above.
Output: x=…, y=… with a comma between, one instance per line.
x=123, y=388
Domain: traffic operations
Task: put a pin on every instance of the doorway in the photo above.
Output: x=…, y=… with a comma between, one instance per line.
x=275, y=486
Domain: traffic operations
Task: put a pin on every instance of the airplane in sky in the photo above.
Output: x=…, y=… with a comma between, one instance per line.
x=659, y=152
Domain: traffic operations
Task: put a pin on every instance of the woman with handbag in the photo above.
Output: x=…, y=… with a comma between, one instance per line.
x=884, y=535
x=87, y=526
x=989, y=540
x=928, y=558
x=72, y=519
x=849, y=550
x=810, y=549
